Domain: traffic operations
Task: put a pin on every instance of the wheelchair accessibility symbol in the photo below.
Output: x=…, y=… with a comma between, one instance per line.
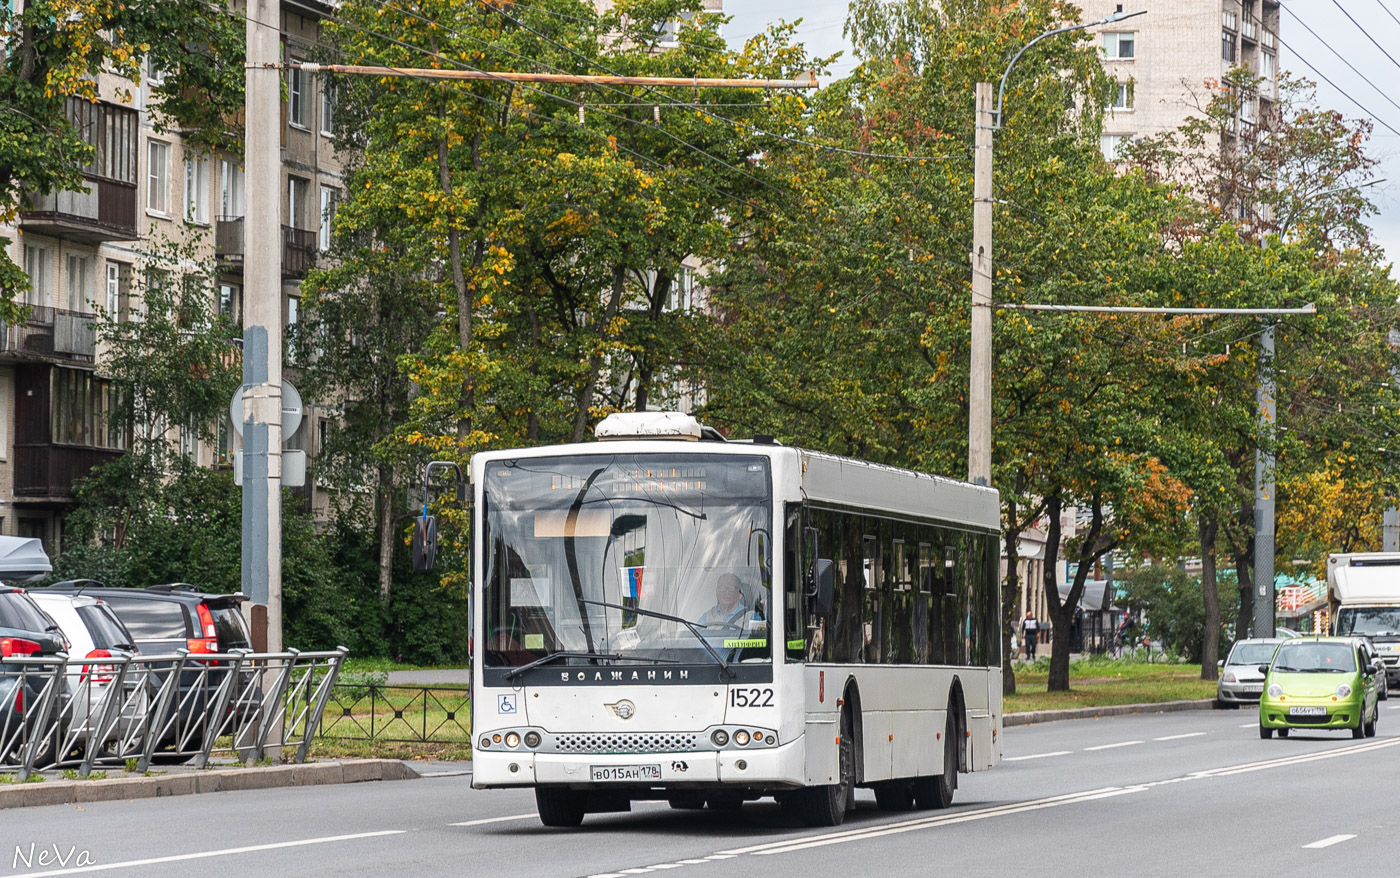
x=505, y=703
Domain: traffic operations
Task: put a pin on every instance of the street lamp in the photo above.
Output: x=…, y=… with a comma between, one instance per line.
x=979, y=404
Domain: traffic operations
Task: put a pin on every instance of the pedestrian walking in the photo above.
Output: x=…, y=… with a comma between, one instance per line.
x=1030, y=632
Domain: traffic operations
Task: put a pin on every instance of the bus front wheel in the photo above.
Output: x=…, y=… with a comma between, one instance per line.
x=936, y=791
x=560, y=807
x=826, y=805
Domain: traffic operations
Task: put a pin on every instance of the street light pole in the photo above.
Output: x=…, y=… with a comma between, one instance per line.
x=979, y=389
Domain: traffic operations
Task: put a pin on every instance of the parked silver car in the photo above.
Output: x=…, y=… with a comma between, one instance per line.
x=1240, y=680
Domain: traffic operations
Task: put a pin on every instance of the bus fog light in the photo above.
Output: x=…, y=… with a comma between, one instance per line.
x=720, y=737
x=532, y=739
x=742, y=764
x=485, y=742
x=512, y=740
x=514, y=768
x=770, y=740
x=741, y=737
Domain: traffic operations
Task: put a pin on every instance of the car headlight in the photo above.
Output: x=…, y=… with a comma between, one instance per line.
x=1343, y=690
x=1275, y=690
x=1229, y=677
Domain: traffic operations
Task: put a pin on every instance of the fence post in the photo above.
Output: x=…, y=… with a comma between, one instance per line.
x=323, y=694
x=213, y=721
x=158, y=717
x=97, y=736
x=274, y=715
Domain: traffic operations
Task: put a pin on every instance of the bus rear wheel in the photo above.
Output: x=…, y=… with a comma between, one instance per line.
x=560, y=807
x=826, y=805
x=936, y=791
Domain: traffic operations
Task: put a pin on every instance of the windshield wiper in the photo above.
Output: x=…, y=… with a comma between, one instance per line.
x=515, y=672
x=689, y=625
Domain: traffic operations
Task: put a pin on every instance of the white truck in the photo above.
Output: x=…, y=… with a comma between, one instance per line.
x=1365, y=600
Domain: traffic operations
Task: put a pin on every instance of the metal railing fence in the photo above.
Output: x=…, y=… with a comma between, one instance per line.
x=60, y=712
x=398, y=714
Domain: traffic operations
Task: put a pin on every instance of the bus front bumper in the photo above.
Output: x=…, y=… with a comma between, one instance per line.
x=772, y=767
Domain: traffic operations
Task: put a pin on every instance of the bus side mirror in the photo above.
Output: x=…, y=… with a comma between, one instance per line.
x=424, y=543
x=822, y=589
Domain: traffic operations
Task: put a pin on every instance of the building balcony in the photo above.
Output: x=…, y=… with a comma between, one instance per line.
x=106, y=212
x=49, y=471
x=50, y=334
x=298, y=247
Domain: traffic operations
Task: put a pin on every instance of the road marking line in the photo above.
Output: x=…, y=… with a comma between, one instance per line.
x=1295, y=760
x=1035, y=756
x=1328, y=842
x=175, y=858
x=1393, y=707
x=692, y=862
x=666, y=866
x=487, y=820
x=720, y=857
x=880, y=831
x=641, y=871
x=1179, y=737
x=1248, y=725
x=1111, y=746
x=915, y=823
x=607, y=875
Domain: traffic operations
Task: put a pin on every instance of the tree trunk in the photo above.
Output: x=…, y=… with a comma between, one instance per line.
x=595, y=361
x=386, y=534
x=1062, y=613
x=467, y=400
x=1010, y=596
x=1207, y=527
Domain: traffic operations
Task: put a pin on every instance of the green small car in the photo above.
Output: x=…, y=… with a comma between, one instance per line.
x=1320, y=683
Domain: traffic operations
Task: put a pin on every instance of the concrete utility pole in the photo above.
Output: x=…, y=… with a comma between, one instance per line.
x=979, y=400
x=1390, y=530
x=1264, y=492
x=262, y=328
x=979, y=382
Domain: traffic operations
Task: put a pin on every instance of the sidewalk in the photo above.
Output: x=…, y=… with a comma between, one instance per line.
x=183, y=780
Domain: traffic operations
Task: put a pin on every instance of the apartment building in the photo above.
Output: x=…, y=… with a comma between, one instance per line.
x=1162, y=60
x=81, y=250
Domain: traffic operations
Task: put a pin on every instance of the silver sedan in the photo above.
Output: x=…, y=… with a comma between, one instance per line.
x=1240, y=680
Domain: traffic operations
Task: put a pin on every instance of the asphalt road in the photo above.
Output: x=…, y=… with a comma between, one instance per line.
x=1194, y=793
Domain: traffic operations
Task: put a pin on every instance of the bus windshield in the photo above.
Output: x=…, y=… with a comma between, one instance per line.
x=587, y=555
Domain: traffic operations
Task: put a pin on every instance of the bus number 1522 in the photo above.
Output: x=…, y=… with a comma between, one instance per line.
x=740, y=697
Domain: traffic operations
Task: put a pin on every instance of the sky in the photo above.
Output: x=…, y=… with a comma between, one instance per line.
x=1302, y=53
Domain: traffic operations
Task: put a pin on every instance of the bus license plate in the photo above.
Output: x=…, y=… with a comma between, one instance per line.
x=1307, y=711
x=624, y=772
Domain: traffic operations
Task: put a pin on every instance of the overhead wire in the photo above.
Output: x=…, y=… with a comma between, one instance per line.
x=1341, y=57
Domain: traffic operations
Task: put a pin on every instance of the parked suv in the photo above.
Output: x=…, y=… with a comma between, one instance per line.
x=164, y=618
x=94, y=633
x=25, y=630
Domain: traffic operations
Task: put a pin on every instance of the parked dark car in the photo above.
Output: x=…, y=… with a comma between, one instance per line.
x=164, y=618
x=25, y=630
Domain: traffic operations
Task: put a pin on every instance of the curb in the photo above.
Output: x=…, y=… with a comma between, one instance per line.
x=64, y=792
x=1045, y=716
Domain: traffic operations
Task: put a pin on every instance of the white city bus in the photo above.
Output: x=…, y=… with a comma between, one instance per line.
x=708, y=622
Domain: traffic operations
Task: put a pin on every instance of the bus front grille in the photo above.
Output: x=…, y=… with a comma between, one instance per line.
x=659, y=742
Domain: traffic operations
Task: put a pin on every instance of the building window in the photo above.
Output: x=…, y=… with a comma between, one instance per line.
x=1227, y=46
x=1119, y=46
x=329, y=199
x=327, y=108
x=154, y=75
x=84, y=411
x=118, y=285
x=197, y=191
x=1122, y=96
x=157, y=179
x=296, y=202
x=231, y=190
x=113, y=133
x=77, y=283
x=323, y=433
x=228, y=301
x=293, y=318
x=1268, y=66
x=1111, y=144
x=36, y=268
x=1228, y=20
x=296, y=95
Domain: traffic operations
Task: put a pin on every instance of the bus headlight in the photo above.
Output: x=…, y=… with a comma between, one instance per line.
x=719, y=737
x=512, y=740
x=532, y=739
x=741, y=737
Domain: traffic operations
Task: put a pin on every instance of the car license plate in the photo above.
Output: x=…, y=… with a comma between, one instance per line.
x=624, y=772
x=1307, y=711
x=1252, y=690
